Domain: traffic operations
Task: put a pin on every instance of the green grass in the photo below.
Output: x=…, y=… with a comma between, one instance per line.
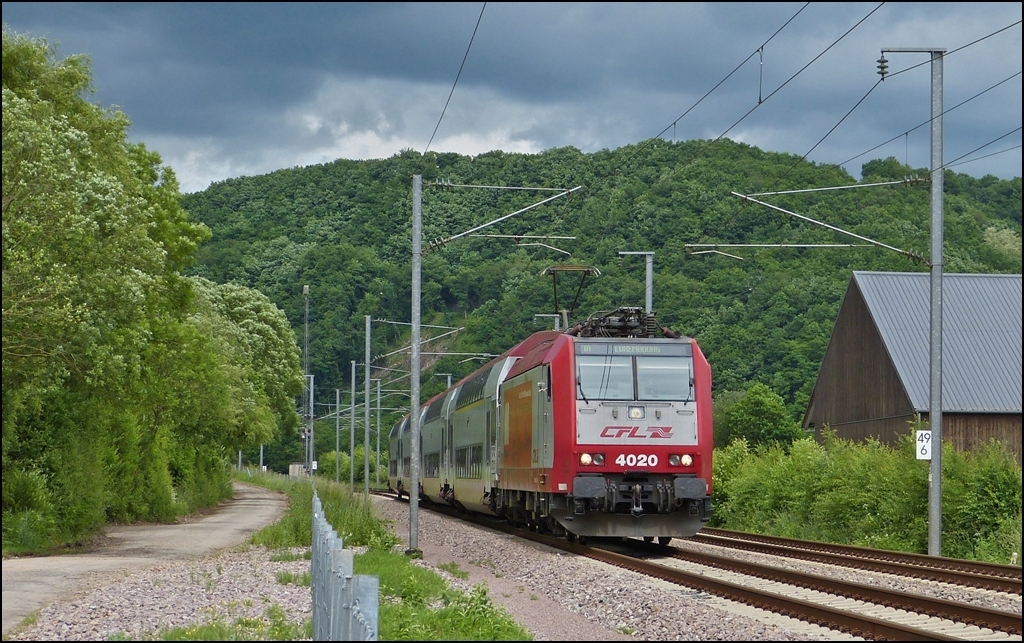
x=350, y=514
x=273, y=626
x=470, y=617
x=416, y=604
x=454, y=569
x=288, y=578
x=286, y=556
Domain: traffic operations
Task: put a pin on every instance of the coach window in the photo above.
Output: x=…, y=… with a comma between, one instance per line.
x=604, y=377
x=663, y=378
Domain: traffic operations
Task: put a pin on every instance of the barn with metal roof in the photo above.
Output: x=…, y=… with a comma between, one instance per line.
x=873, y=380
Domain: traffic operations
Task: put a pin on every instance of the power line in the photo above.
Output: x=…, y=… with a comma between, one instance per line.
x=801, y=70
x=456, y=79
x=779, y=88
x=920, y=125
x=717, y=85
x=945, y=165
x=761, y=101
x=743, y=206
x=973, y=42
x=1009, y=149
x=821, y=140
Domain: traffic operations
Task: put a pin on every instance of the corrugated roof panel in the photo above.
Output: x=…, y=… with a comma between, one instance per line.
x=981, y=336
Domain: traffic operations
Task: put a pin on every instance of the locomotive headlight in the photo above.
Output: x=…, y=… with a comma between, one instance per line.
x=673, y=460
x=687, y=460
x=599, y=459
x=636, y=413
x=586, y=460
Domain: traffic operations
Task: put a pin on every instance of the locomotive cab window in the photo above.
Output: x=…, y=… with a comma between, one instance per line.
x=664, y=378
x=646, y=372
x=604, y=377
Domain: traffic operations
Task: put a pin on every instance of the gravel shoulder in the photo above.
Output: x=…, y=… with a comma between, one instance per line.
x=31, y=583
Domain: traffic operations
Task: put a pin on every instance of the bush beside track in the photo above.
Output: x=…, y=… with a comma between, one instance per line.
x=871, y=495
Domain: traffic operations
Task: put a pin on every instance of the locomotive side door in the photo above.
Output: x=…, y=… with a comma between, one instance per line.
x=543, y=426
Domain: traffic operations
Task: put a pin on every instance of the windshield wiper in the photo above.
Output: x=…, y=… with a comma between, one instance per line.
x=579, y=387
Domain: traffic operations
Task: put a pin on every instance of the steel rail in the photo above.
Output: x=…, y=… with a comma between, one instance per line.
x=999, y=620
x=1002, y=578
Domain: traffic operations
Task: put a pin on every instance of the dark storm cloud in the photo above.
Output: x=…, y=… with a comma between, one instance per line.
x=228, y=89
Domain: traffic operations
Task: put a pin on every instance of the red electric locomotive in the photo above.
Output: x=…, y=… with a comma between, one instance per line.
x=603, y=430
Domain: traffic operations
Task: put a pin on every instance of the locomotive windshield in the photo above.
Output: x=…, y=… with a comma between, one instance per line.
x=640, y=371
x=604, y=377
x=663, y=378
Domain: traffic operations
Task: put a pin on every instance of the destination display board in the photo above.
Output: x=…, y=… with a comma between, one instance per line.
x=640, y=347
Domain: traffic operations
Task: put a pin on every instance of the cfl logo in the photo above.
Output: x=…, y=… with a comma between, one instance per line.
x=652, y=432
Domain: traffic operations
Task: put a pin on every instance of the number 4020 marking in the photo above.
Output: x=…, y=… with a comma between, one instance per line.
x=633, y=460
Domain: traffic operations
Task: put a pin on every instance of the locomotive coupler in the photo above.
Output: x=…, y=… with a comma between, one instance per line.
x=637, y=509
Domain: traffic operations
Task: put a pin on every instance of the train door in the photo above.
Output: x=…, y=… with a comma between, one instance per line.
x=543, y=432
x=498, y=424
x=445, y=422
x=488, y=436
x=450, y=451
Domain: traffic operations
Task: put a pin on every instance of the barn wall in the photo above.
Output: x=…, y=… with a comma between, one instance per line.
x=885, y=430
x=967, y=431
x=858, y=392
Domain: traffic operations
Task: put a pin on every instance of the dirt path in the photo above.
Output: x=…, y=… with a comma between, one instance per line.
x=32, y=583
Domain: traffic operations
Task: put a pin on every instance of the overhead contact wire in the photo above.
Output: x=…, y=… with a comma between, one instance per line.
x=717, y=85
x=455, y=84
x=873, y=87
x=779, y=88
x=813, y=60
x=853, y=158
x=948, y=53
x=1009, y=149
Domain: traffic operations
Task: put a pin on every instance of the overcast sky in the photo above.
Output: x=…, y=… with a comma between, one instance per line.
x=225, y=90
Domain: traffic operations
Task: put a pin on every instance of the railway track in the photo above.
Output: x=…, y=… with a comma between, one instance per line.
x=861, y=610
x=938, y=616
x=966, y=573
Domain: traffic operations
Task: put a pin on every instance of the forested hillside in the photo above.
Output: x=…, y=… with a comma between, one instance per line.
x=344, y=228
x=127, y=385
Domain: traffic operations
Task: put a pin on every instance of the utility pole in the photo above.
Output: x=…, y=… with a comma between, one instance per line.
x=352, y=436
x=308, y=412
x=558, y=319
x=935, y=322
x=312, y=419
x=337, y=435
x=649, y=285
x=414, y=368
x=377, y=461
x=366, y=414
x=414, y=375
